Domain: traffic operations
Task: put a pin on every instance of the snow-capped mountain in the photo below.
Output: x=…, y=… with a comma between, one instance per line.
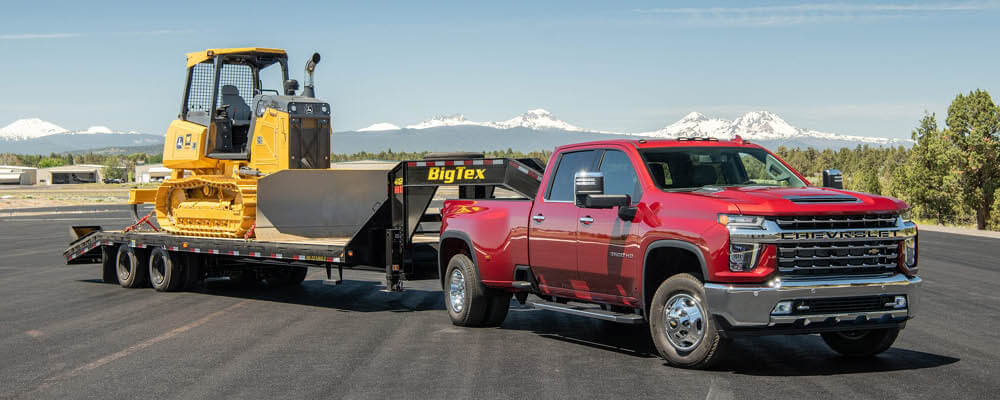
x=446, y=120
x=378, y=127
x=532, y=119
x=35, y=136
x=536, y=119
x=33, y=128
x=30, y=128
x=754, y=125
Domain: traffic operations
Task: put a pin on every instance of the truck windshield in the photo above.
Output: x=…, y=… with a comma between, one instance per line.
x=691, y=168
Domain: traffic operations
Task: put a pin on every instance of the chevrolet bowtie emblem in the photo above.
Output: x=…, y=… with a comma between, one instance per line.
x=873, y=252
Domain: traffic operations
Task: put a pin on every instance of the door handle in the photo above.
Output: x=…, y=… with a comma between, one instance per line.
x=538, y=218
x=586, y=220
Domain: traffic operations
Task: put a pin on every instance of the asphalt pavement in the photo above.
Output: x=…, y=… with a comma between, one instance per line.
x=64, y=334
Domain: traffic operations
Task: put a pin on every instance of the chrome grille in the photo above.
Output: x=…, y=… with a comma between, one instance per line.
x=854, y=257
x=836, y=221
x=841, y=258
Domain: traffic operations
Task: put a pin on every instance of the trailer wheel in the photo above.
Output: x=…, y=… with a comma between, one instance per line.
x=496, y=312
x=861, y=344
x=131, y=267
x=464, y=295
x=681, y=324
x=109, y=274
x=165, y=270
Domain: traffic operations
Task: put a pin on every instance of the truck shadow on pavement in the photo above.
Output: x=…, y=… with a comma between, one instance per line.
x=349, y=296
x=802, y=355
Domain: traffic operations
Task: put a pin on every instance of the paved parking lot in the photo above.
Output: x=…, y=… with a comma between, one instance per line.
x=66, y=335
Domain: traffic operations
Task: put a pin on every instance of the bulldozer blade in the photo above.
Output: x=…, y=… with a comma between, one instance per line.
x=295, y=204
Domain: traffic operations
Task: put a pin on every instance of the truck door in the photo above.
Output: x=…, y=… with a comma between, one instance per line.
x=607, y=253
x=553, y=225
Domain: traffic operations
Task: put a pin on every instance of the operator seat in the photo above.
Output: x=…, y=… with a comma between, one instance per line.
x=239, y=111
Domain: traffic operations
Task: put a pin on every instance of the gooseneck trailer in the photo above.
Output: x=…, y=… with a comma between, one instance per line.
x=353, y=217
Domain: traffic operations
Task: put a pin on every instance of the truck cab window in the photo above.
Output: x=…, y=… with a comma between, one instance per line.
x=561, y=186
x=619, y=175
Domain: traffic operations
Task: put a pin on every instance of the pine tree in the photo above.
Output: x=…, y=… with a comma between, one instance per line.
x=974, y=132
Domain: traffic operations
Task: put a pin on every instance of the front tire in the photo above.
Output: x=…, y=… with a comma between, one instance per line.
x=464, y=295
x=860, y=344
x=109, y=271
x=681, y=324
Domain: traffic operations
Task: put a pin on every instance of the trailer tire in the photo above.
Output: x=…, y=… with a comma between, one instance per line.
x=690, y=338
x=166, y=274
x=464, y=294
x=296, y=275
x=860, y=344
x=109, y=273
x=499, y=305
x=130, y=265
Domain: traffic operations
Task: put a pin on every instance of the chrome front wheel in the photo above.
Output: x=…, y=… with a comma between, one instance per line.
x=685, y=321
x=456, y=291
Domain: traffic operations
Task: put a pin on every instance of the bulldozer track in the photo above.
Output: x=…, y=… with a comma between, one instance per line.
x=207, y=206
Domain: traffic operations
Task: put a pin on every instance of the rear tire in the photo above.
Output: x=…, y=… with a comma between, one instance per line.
x=464, y=295
x=166, y=274
x=682, y=325
x=109, y=273
x=860, y=344
x=130, y=266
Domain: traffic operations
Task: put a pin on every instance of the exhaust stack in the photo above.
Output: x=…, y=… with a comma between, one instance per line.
x=308, y=89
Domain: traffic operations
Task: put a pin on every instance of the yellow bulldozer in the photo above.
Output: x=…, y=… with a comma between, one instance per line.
x=235, y=127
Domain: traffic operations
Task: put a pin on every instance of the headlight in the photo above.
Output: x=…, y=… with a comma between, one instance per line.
x=741, y=221
x=906, y=215
x=743, y=256
x=910, y=253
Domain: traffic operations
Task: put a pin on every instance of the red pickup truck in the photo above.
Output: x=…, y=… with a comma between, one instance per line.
x=701, y=239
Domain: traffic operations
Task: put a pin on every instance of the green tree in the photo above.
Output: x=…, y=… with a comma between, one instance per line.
x=925, y=175
x=974, y=131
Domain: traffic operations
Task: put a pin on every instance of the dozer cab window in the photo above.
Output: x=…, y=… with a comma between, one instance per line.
x=198, y=106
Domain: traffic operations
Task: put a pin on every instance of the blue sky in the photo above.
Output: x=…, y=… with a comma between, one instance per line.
x=866, y=68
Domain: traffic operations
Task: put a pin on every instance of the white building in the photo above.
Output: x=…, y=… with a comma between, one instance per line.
x=151, y=173
x=80, y=173
x=15, y=175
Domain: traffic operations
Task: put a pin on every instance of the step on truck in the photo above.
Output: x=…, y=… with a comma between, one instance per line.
x=702, y=240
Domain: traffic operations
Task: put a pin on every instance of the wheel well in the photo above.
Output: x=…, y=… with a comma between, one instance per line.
x=449, y=247
x=664, y=262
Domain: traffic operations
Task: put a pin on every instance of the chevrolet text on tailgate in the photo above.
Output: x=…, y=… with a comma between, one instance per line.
x=701, y=239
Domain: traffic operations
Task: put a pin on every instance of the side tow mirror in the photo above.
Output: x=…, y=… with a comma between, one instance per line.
x=832, y=178
x=291, y=86
x=586, y=184
x=588, y=190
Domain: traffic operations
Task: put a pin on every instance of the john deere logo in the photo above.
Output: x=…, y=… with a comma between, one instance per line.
x=450, y=175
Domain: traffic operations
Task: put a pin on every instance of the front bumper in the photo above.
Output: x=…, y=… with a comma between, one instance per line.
x=751, y=305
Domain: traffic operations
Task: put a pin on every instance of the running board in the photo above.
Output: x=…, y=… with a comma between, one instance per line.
x=597, y=313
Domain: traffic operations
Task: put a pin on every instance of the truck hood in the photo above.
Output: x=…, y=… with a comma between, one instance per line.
x=769, y=200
